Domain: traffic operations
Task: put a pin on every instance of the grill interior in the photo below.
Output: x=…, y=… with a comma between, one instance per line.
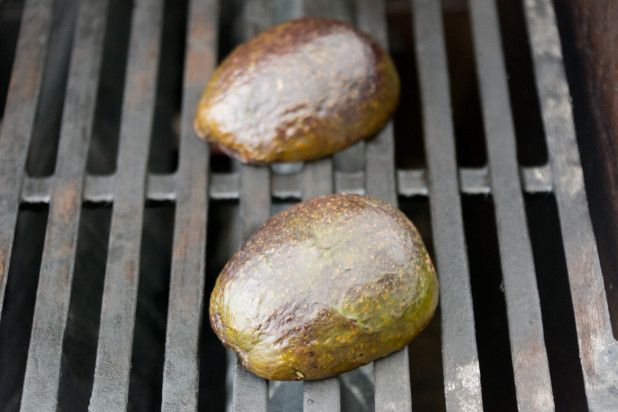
x=115, y=219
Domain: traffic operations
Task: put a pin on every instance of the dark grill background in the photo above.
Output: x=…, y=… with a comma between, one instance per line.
x=115, y=220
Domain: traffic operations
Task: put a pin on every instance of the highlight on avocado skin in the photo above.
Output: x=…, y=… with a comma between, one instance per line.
x=324, y=287
x=301, y=90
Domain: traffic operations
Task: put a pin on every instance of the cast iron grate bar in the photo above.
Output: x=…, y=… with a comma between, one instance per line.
x=462, y=381
x=391, y=374
x=56, y=273
x=248, y=391
x=410, y=182
x=598, y=348
x=19, y=115
x=367, y=168
x=317, y=180
x=186, y=296
x=528, y=351
x=113, y=361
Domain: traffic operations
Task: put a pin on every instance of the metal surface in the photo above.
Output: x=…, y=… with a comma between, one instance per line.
x=56, y=273
x=598, y=348
x=186, y=296
x=111, y=379
x=366, y=168
x=530, y=365
x=248, y=391
x=391, y=374
x=317, y=180
x=462, y=380
x=225, y=186
x=18, y=121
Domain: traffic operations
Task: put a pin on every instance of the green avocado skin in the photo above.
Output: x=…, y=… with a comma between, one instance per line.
x=298, y=91
x=324, y=287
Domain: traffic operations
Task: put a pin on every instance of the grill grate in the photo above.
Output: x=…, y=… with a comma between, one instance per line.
x=366, y=168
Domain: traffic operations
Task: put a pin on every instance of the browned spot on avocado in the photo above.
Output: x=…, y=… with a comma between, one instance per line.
x=300, y=90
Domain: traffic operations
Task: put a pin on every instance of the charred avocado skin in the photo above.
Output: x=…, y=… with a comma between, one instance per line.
x=298, y=91
x=323, y=287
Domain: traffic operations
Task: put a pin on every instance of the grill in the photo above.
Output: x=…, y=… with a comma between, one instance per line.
x=109, y=246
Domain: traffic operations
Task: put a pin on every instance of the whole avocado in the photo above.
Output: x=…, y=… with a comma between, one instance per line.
x=324, y=287
x=298, y=91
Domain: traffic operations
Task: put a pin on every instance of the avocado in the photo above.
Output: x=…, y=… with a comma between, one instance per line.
x=324, y=287
x=298, y=91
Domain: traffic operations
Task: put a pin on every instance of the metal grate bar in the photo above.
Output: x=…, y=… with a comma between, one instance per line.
x=113, y=360
x=391, y=374
x=162, y=188
x=410, y=182
x=528, y=352
x=56, y=274
x=317, y=180
x=224, y=186
x=249, y=391
x=380, y=151
x=340, y=10
x=285, y=186
x=186, y=296
x=537, y=179
x=18, y=121
x=322, y=395
x=365, y=168
x=598, y=348
x=350, y=182
x=99, y=189
x=462, y=383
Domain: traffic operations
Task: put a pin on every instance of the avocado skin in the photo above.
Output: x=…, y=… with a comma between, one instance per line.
x=298, y=91
x=324, y=287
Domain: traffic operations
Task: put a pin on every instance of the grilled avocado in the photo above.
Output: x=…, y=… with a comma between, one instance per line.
x=324, y=287
x=298, y=91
